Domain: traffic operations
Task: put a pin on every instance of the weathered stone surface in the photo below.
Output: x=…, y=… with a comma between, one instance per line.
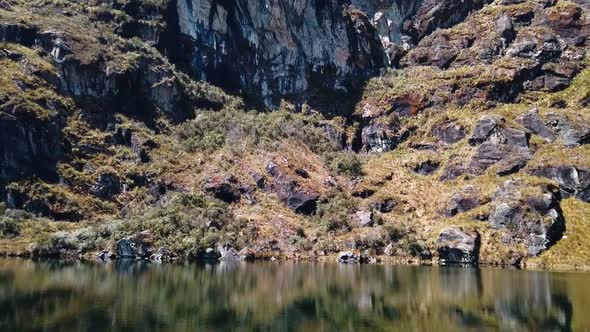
x=136, y=246
x=464, y=200
x=302, y=202
x=505, y=28
x=571, y=134
x=225, y=188
x=105, y=256
x=382, y=138
x=106, y=186
x=232, y=46
x=363, y=219
x=427, y=167
x=483, y=130
x=533, y=122
x=456, y=246
x=573, y=181
x=163, y=254
x=508, y=148
x=290, y=192
x=228, y=253
x=536, y=221
x=449, y=132
x=434, y=14
x=349, y=257
x=385, y=206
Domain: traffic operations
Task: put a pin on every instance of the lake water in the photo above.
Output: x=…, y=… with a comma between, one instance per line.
x=132, y=296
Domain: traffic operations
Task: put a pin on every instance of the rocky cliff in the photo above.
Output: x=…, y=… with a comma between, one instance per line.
x=277, y=49
x=422, y=130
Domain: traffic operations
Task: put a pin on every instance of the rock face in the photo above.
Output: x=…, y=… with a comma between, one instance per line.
x=449, y=132
x=225, y=188
x=505, y=148
x=29, y=147
x=136, y=246
x=279, y=48
x=573, y=181
x=458, y=247
x=535, y=221
x=464, y=200
x=554, y=126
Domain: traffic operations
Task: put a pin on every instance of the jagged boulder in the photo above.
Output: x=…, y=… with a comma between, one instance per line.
x=225, y=188
x=464, y=200
x=136, y=246
x=533, y=220
x=349, y=257
x=456, y=246
x=506, y=148
x=228, y=254
x=573, y=181
x=385, y=205
x=378, y=137
x=301, y=201
x=533, y=122
x=426, y=167
x=106, y=186
x=362, y=219
x=449, y=132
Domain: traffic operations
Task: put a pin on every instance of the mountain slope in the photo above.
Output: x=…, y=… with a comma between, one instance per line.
x=385, y=127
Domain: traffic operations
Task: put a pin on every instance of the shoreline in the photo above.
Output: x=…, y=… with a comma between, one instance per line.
x=376, y=260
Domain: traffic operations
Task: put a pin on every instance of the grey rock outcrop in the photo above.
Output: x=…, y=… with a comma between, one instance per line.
x=464, y=200
x=456, y=246
x=29, y=147
x=135, y=247
x=573, y=181
x=279, y=48
x=449, y=132
x=533, y=220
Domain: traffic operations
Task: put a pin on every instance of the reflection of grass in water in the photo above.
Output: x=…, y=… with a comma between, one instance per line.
x=297, y=297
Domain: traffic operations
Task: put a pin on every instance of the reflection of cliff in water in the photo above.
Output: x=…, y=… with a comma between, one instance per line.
x=535, y=307
x=130, y=295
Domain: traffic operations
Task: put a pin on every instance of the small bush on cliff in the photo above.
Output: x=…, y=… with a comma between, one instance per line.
x=210, y=131
x=333, y=215
x=9, y=227
x=345, y=163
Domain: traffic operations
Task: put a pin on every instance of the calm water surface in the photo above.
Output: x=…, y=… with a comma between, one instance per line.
x=131, y=296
